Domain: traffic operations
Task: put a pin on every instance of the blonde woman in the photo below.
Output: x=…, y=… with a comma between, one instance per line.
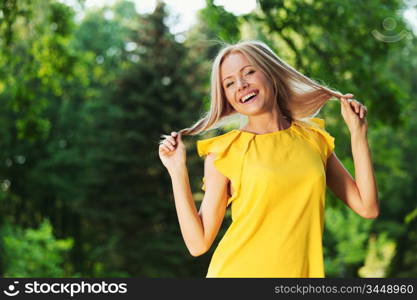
x=273, y=171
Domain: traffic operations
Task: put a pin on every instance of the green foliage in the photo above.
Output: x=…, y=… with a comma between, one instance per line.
x=404, y=262
x=345, y=241
x=225, y=25
x=33, y=252
x=332, y=41
x=84, y=104
x=380, y=253
x=35, y=61
x=134, y=209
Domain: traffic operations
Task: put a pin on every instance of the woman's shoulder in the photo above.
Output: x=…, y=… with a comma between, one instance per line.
x=315, y=129
x=216, y=143
x=313, y=125
x=317, y=122
x=220, y=136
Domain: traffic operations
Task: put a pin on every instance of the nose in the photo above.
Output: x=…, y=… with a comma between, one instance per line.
x=242, y=83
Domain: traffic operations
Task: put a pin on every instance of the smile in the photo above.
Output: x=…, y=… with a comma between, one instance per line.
x=249, y=97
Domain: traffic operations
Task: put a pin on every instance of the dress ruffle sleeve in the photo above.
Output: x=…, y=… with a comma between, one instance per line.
x=229, y=149
x=326, y=141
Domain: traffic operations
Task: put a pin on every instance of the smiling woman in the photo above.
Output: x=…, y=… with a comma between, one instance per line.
x=248, y=90
x=273, y=171
x=295, y=95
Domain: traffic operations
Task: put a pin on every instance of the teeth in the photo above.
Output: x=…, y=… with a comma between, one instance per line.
x=243, y=99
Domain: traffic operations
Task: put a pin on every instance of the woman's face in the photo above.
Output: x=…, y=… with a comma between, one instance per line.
x=246, y=87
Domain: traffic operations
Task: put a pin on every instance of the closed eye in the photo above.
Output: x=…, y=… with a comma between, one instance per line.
x=231, y=82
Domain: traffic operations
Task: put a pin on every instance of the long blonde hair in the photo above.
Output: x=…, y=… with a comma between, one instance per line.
x=298, y=97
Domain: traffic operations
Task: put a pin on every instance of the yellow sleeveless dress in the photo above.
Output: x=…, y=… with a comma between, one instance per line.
x=277, y=205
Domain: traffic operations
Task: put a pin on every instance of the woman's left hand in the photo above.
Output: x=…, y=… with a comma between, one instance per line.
x=354, y=114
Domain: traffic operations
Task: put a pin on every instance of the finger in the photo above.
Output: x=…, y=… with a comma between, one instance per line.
x=166, y=149
x=355, y=105
x=174, y=134
x=161, y=144
x=167, y=144
x=361, y=112
x=345, y=102
x=364, y=110
x=171, y=147
x=169, y=139
x=360, y=105
x=163, y=149
x=348, y=105
x=172, y=140
x=342, y=103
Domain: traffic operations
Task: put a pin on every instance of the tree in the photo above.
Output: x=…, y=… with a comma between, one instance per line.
x=131, y=200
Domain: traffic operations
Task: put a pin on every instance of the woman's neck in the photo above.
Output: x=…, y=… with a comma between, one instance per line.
x=266, y=123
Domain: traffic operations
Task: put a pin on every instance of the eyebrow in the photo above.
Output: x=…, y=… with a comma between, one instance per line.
x=239, y=71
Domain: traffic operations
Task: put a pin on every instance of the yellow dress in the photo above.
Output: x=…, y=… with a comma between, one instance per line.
x=277, y=205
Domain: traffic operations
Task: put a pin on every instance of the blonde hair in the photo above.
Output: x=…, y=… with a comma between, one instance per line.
x=298, y=97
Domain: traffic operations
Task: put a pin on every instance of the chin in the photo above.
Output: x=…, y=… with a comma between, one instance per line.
x=255, y=109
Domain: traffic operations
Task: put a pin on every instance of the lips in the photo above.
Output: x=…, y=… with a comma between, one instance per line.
x=250, y=100
x=250, y=96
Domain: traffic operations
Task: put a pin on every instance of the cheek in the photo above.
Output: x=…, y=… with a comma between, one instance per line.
x=262, y=80
x=230, y=100
x=229, y=95
x=267, y=85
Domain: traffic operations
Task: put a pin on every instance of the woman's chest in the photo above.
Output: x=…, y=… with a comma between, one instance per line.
x=282, y=164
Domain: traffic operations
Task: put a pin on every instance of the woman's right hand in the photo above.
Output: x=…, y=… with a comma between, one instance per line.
x=172, y=151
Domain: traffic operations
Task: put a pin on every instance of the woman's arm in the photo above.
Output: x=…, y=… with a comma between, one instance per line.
x=198, y=229
x=365, y=177
x=359, y=194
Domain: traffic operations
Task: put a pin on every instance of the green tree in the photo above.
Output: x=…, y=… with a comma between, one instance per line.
x=34, y=61
x=33, y=252
x=131, y=200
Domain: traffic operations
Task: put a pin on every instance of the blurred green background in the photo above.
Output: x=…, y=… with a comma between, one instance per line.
x=85, y=100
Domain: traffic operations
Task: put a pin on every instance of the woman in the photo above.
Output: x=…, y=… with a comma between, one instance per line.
x=273, y=171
